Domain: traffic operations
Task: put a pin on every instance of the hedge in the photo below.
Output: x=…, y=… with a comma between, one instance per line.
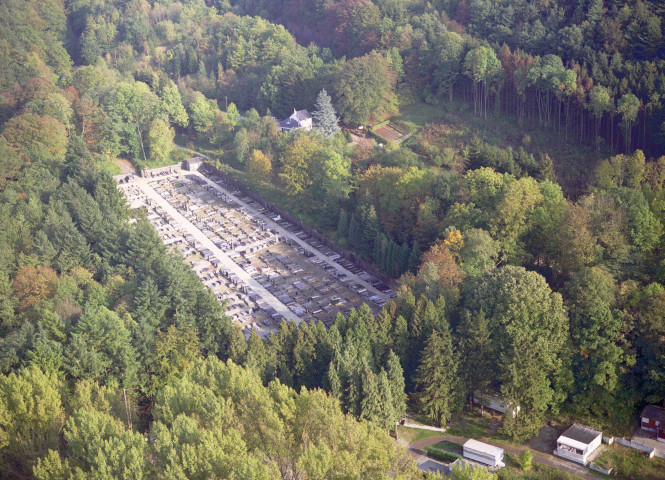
x=443, y=455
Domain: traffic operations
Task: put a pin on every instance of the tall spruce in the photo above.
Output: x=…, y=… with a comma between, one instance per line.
x=475, y=343
x=324, y=116
x=436, y=378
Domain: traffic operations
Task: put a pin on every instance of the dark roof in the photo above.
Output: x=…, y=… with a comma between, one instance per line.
x=654, y=412
x=302, y=115
x=288, y=123
x=581, y=433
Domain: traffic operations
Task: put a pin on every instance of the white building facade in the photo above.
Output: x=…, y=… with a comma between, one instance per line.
x=577, y=443
x=483, y=453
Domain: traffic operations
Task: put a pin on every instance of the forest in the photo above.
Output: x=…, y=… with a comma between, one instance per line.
x=519, y=274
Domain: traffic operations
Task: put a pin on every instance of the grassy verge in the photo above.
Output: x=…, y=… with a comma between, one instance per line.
x=513, y=471
x=451, y=447
x=630, y=463
x=442, y=455
x=107, y=166
x=411, y=435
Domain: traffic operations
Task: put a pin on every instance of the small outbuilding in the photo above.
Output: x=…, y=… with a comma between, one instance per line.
x=193, y=164
x=495, y=403
x=653, y=420
x=577, y=443
x=483, y=453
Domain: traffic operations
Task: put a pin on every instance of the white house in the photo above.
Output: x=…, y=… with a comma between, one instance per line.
x=483, y=453
x=300, y=119
x=494, y=402
x=577, y=443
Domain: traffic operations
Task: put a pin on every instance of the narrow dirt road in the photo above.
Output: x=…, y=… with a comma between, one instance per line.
x=125, y=165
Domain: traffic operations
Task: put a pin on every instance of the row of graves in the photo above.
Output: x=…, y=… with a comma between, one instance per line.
x=216, y=218
x=311, y=288
x=243, y=305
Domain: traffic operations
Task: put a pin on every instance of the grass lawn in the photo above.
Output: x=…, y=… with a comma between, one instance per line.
x=411, y=435
x=107, y=166
x=450, y=447
x=630, y=463
x=176, y=156
x=513, y=471
x=419, y=113
x=470, y=424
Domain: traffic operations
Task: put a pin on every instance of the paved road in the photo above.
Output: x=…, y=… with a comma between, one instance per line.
x=286, y=233
x=417, y=450
x=223, y=257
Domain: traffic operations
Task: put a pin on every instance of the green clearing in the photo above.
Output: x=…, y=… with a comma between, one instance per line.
x=177, y=155
x=449, y=447
x=411, y=435
x=419, y=113
x=513, y=471
x=108, y=166
x=630, y=463
x=573, y=163
x=470, y=424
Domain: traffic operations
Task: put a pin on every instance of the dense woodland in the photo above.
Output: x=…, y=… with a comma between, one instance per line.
x=115, y=362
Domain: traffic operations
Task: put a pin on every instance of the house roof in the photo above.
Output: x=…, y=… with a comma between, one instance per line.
x=579, y=434
x=192, y=161
x=654, y=412
x=472, y=444
x=301, y=114
x=288, y=123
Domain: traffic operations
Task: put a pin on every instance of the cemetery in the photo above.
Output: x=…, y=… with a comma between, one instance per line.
x=265, y=268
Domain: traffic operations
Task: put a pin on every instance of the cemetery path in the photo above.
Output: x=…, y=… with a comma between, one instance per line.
x=284, y=232
x=223, y=257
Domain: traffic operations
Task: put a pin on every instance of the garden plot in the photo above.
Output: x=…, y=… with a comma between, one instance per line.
x=391, y=133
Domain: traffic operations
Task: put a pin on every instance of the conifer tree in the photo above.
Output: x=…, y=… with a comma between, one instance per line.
x=370, y=403
x=387, y=414
x=396, y=379
x=414, y=257
x=343, y=224
x=475, y=344
x=324, y=116
x=404, y=253
x=436, y=378
x=352, y=232
x=400, y=337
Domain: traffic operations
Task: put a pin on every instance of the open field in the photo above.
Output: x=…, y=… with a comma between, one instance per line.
x=574, y=163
